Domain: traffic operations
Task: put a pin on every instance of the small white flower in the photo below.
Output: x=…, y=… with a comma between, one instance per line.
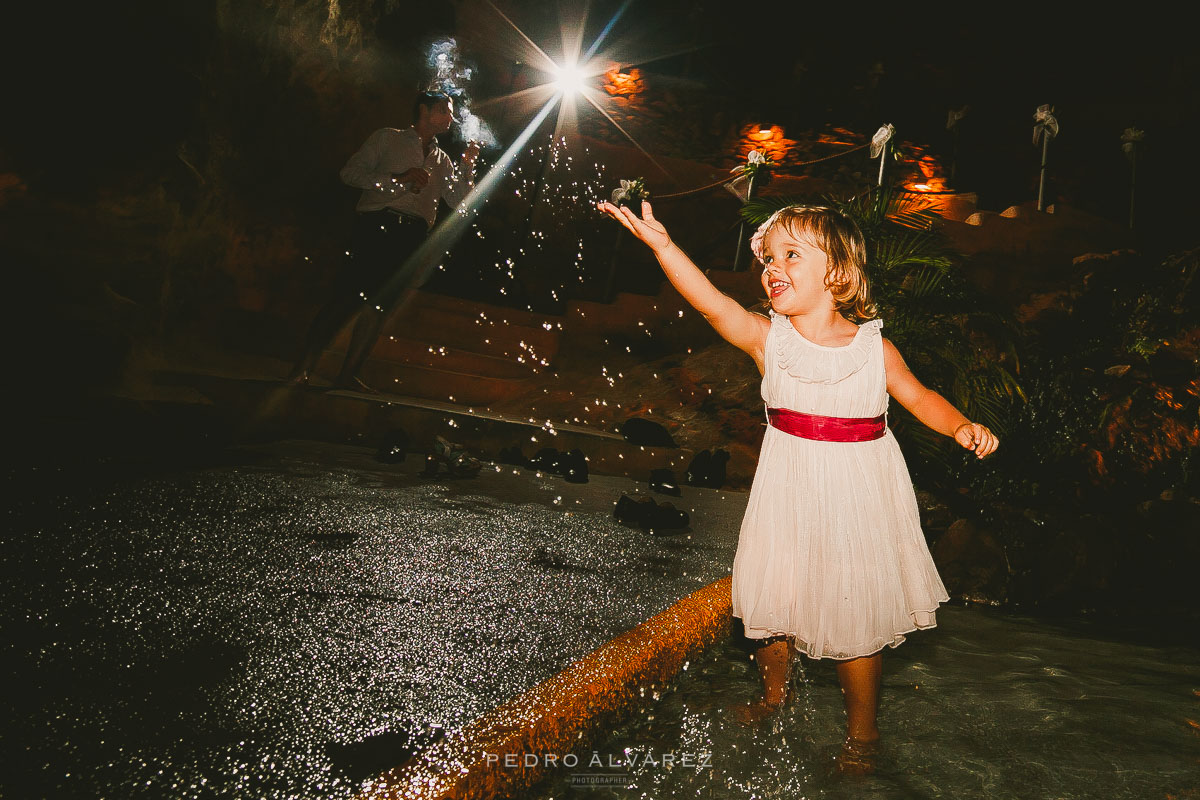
x=755, y=157
x=628, y=190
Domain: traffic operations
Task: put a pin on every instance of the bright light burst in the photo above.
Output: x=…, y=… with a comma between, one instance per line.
x=569, y=78
x=572, y=78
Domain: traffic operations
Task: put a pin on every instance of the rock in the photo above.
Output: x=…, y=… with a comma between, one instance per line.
x=708, y=469
x=458, y=463
x=971, y=562
x=570, y=465
x=649, y=515
x=394, y=447
x=697, y=470
x=663, y=482
x=514, y=456
x=647, y=433
x=935, y=515
x=573, y=467
x=1172, y=368
x=546, y=460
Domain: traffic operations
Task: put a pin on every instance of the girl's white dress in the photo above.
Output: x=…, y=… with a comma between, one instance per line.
x=831, y=550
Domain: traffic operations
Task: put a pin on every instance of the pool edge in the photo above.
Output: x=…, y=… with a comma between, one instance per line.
x=560, y=713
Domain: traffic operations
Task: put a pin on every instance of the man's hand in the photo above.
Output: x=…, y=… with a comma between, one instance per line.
x=470, y=154
x=416, y=177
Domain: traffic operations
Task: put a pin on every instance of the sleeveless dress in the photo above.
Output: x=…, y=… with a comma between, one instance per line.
x=831, y=551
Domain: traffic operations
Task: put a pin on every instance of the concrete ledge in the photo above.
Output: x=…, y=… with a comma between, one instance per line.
x=269, y=409
x=565, y=712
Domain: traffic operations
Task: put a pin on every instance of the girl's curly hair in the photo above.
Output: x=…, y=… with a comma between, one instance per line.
x=842, y=242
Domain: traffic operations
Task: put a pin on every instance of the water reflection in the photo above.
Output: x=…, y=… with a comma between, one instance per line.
x=293, y=622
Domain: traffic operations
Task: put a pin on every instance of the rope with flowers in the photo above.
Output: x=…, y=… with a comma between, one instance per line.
x=747, y=170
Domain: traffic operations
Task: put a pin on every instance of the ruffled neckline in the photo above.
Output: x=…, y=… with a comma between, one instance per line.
x=810, y=362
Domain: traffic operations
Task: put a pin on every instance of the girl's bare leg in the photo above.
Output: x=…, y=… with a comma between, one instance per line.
x=774, y=659
x=860, y=692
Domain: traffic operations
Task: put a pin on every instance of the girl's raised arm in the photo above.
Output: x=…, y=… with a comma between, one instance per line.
x=736, y=325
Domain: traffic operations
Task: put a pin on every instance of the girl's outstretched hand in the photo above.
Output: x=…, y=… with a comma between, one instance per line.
x=974, y=436
x=647, y=228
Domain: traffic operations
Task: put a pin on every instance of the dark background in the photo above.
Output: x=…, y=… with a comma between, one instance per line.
x=102, y=96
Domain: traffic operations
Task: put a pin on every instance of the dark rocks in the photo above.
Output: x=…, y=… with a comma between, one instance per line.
x=972, y=563
x=648, y=515
x=647, y=433
x=935, y=515
x=707, y=469
x=394, y=448
x=663, y=482
x=1170, y=367
x=570, y=465
x=450, y=459
x=514, y=457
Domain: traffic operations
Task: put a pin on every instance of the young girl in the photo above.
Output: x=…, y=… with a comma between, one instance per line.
x=831, y=560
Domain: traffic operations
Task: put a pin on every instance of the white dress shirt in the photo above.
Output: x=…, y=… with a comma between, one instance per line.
x=389, y=151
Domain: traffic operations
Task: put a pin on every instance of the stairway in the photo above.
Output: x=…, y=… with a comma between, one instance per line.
x=448, y=349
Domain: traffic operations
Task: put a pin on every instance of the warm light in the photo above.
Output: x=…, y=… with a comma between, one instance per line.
x=922, y=187
x=569, y=78
x=763, y=132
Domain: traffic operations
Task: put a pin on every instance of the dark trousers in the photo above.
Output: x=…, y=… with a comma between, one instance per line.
x=370, y=285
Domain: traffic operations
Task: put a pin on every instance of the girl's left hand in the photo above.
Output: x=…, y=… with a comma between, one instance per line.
x=974, y=436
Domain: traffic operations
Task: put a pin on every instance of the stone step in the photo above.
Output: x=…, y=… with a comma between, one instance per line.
x=484, y=433
x=497, y=336
x=365, y=419
x=474, y=308
x=453, y=324
x=431, y=383
x=627, y=310
x=440, y=357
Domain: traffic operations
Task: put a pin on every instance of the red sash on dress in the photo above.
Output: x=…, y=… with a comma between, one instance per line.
x=827, y=429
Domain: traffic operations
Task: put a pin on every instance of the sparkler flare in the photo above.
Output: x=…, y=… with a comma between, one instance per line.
x=569, y=78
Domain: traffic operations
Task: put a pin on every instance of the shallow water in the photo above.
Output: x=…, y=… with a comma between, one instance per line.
x=296, y=618
x=988, y=705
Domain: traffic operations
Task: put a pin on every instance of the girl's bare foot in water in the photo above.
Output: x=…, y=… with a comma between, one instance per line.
x=751, y=714
x=858, y=756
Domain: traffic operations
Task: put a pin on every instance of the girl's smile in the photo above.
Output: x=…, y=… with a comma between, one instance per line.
x=793, y=272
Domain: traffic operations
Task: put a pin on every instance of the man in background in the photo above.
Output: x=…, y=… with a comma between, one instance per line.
x=402, y=175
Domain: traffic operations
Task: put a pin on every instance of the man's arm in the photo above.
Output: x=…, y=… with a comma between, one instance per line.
x=461, y=180
x=362, y=170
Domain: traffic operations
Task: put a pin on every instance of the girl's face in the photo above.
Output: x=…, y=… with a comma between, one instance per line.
x=794, y=270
